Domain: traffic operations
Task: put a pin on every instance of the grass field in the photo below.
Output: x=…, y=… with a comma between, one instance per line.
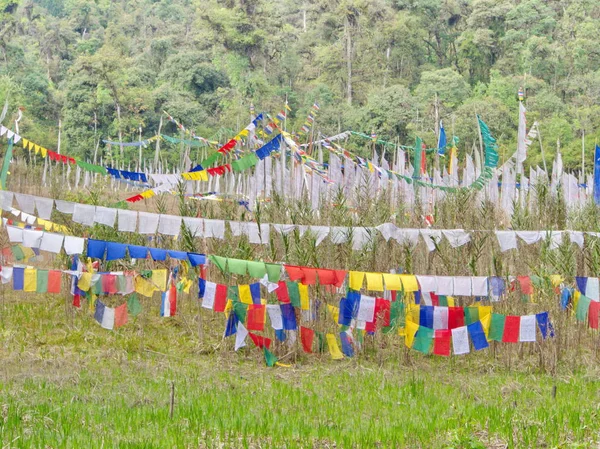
x=68, y=383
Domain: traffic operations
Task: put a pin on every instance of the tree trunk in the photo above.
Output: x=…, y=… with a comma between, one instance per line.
x=348, y=60
x=157, y=152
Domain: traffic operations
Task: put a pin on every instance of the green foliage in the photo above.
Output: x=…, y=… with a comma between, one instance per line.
x=104, y=68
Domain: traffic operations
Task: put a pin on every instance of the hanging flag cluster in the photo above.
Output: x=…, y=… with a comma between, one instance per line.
x=310, y=118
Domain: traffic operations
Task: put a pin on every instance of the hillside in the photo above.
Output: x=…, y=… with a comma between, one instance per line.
x=103, y=68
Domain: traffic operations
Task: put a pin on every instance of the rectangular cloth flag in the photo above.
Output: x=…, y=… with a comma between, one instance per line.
x=460, y=340
x=168, y=306
x=512, y=325
x=334, y=349
x=441, y=342
x=307, y=336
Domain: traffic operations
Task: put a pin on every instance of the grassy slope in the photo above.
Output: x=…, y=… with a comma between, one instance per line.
x=68, y=383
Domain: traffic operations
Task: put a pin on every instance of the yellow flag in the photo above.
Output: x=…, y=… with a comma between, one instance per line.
x=409, y=282
x=392, y=281
x=486, y=321
x=410, y=332
x=159, y=279
x=556, y=280
x=576, y=296
x=450, y=300
x=304, y=301
x=37, y=148
x=356, y=280
x=335, y=312
x=85, y=281
x=484, y=310
x=187, y=285
x=334, y=349
x=413, y=312
x=228, y=306
x=92, y=302
x=374, y=282
x=30, y=145
x=44, y=151
x=30, y=280
x=245, y=295
x=144, y=287
x=24, y=142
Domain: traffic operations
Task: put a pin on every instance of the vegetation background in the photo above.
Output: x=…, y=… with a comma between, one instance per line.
x=373, y=65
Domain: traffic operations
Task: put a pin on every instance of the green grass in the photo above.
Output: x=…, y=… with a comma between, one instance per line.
x=65, y=383
x=125, y=403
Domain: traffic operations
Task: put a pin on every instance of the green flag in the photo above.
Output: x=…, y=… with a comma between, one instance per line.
x=241, y=310
x=219, y=261
x=274, y=272
x=582, y=308
x=233, y=293
x=471, y=315
x=496, y=327
x=237, y=266
x=417, y=159
x=256, y=269
x=6, y=164
x=134, y=307
x=270, y=358
x=294, y=293
x=423, y=340
x=42, y=281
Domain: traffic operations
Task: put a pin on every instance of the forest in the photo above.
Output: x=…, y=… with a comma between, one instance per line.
x=103, y=69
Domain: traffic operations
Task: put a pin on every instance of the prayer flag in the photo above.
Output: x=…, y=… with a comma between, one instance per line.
x=288, y=316
x=441, y=342
x=134, y=308
x=42, y=281
x=255, y=320
x=542, y=321
x=423, y=340
x=270, y=359
x=460, y=340
x=260, y=341
x=282, y=293
x=220, y=298
x=30, y=280
x=409, y=333
x=307, y=336
x=334, y=349
x=54, y=281
x=477, y=335
x=527, y=328
x=293, y=293
x=583, y=307
x=374, y=282
x=356, y=280
x=121, y=315
x=244, y=293
x=347, y=348
x=456, y=317
x=240, y=336
x=497, y=327
x=512, y=325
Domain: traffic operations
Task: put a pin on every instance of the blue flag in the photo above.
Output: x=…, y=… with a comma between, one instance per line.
x=477, y=335
x=442, y=140
x=597, y=175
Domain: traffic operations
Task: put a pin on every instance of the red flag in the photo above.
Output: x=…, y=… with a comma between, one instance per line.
x=294, y=273
x=173, y=299
x=512, y=325
x=309, y=276
x=382, y=315
x=220, y=298
x=456, y=317
x=441, y=342
x=423, y=160
x=260, y=341
x=525, y=283
x=593, y=314
x=121, y=315
x=109, y=284
x=54, y=281
x=435, y=299
x=327, y=277
x=307, y=335
x=340, y=276
x=282, y=293
x=77, y=301
x=255, y=319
